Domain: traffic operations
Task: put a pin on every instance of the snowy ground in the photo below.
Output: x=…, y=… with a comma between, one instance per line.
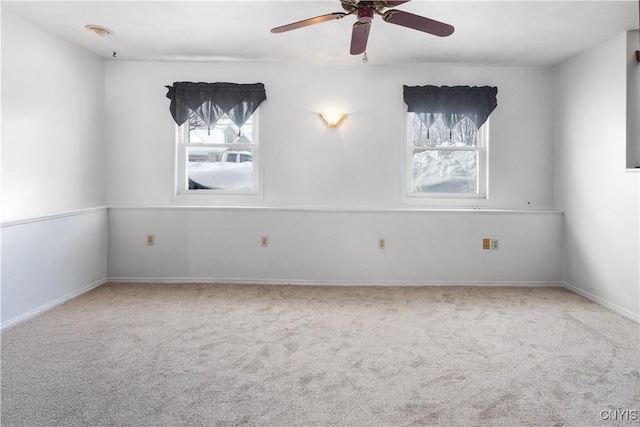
x=222, y=175
x=436, y=171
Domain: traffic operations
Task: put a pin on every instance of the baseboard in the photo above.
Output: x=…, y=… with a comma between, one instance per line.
x=48, y=306
x=248, y=281
x=614, y=307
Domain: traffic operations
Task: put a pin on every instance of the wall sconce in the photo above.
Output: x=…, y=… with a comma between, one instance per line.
x=332, y=119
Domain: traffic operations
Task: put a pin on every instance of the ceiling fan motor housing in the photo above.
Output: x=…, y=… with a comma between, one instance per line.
x=365, y=14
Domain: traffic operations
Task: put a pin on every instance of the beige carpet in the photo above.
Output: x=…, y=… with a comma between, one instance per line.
x=226, y=355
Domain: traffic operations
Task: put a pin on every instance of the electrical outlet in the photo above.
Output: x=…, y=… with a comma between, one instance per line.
x=382, y=243
x=486, y=243
x=150, y=240
x=494, y=244
x=264, y=241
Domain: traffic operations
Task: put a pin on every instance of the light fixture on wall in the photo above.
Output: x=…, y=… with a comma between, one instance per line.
x=332, y=119
x=97, y=29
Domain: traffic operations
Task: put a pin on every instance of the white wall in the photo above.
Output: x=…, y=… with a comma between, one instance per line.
x=333, y=247
x=52, y=133
x=599, y=198
x=52, y=164
x=50, y=260
x=633, y=100
x=307, y=164
x=330, y=193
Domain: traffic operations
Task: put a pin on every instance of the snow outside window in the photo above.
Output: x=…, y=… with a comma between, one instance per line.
x=221, y=159
x=445, y=162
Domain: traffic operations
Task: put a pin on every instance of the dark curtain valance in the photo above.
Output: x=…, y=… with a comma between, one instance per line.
x=211, y=100
x=452, y=102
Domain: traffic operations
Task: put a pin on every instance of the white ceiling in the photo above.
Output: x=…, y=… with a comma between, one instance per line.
x=487, y=32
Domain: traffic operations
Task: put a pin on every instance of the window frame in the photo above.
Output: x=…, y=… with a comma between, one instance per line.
x=181, y=186
x=482, y=148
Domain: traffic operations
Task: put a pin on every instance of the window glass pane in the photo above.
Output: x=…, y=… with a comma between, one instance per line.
x=218, y=169
x=223, y=132
x=464, y=133
x=445, y=171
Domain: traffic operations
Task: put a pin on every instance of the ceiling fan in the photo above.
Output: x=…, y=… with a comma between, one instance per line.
x=365, y=11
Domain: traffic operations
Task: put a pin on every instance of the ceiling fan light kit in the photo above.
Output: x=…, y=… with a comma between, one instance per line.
x=365, y=12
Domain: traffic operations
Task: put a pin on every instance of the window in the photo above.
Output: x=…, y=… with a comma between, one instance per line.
x=447, y=140
x=221, y=159
x=217, y=143
x=443, y=161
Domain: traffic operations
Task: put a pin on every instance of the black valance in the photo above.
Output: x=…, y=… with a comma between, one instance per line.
x=211, y=100
x=452, y=102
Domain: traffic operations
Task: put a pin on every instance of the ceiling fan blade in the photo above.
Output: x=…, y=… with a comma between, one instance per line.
x=307, y=22
x=383, y=3
x=359, y=37
x=394, y=3
x=418, y=22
